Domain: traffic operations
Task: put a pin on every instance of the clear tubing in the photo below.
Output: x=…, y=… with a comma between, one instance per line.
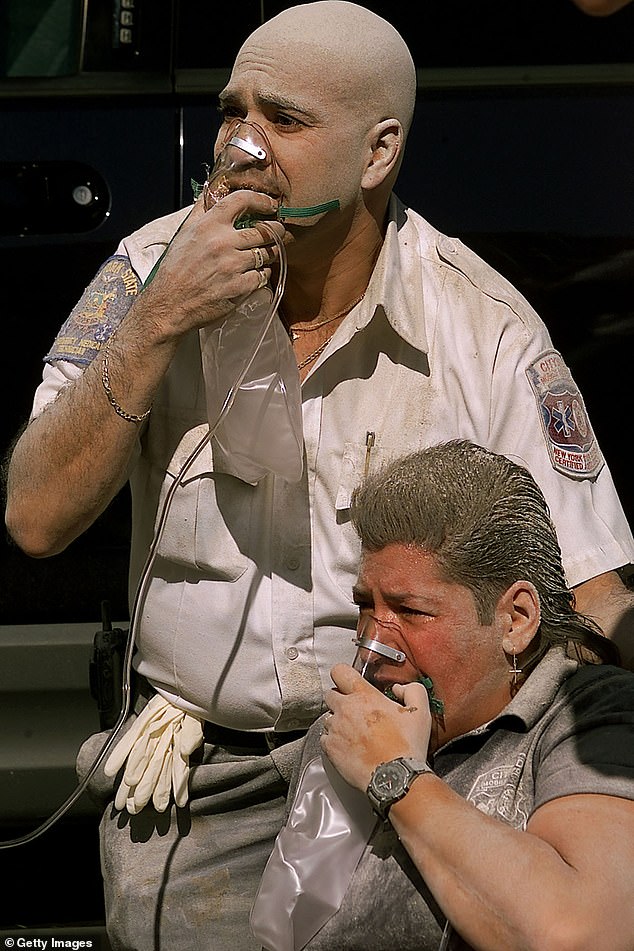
x=145, y=575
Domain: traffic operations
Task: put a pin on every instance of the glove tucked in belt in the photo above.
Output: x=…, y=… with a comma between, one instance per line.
x=156, y=752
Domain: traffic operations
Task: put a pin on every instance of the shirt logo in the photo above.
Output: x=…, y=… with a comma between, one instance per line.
x=102, y=307
x=570, y=439
x=498, y=792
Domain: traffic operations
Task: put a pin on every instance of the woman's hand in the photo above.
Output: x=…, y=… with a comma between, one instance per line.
x=365, y=728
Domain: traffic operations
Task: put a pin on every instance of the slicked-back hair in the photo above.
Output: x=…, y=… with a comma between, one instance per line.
x=487, y=524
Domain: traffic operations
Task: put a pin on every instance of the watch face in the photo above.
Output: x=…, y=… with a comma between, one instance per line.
x=389, y=780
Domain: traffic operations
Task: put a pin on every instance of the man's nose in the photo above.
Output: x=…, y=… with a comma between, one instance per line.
x=249, y=139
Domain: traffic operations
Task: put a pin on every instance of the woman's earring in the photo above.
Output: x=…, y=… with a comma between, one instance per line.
x=515, y=672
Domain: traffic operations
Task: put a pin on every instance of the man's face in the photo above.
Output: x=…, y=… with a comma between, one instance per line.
x=316, y=137
x=435, y=623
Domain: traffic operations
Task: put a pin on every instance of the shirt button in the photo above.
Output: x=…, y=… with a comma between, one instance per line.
x=292, y=562
x=292, y=653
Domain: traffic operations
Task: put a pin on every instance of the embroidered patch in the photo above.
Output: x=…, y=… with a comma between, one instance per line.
x=102, y=307
x=571, y=442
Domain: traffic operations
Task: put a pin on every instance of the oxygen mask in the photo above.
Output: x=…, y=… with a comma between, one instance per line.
x=246, y=160
x=383, y=665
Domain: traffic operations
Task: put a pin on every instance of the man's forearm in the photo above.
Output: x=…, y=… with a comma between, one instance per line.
x=72, y=459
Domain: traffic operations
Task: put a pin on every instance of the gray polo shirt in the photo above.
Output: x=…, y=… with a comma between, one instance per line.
x=568, y=730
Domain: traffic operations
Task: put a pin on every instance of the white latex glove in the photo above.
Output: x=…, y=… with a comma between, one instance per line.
x=157, y=749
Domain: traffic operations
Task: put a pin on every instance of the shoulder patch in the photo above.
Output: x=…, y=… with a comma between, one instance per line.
x=570, y=439
x=96, y=316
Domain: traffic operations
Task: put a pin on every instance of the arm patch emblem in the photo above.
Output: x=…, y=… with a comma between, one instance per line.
x=570, y=439
x=96, y=316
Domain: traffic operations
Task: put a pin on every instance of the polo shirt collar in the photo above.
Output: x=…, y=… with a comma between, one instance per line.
x=539, y=690
x=535, y=696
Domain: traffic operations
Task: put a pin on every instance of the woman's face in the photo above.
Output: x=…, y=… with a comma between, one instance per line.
x=435, y=624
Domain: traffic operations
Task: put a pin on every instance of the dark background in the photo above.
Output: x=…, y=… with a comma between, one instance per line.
x=523, y=146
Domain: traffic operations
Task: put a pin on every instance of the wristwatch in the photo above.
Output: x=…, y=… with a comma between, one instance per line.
x=390, y=781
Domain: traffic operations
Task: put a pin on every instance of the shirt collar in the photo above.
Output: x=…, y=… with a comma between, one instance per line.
x=535, y=695
x=540, y=688
x=396, y=285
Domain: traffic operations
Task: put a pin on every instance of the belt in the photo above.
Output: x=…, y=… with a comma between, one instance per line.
x=260, y=743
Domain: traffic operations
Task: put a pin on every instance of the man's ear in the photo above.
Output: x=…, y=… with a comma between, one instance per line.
x=386, y=141
x=520, y=615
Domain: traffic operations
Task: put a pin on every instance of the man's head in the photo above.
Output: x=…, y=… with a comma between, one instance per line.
x=486, y=524
x=333, y=86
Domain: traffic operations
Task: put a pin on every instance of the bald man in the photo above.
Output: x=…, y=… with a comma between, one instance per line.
x=402, y=338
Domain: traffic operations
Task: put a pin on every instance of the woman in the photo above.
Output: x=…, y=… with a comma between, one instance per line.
x=512, y=819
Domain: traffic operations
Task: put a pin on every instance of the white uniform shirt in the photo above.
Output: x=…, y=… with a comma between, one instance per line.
x=249, y=604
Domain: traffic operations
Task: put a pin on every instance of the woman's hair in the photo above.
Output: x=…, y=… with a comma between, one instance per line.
x=487, y=524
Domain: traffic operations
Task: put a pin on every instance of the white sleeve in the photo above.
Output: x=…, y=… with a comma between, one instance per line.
x=55, y=376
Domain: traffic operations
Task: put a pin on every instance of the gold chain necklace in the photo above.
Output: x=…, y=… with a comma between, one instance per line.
x=312, y=356
x=294, y=332
x=315, y=353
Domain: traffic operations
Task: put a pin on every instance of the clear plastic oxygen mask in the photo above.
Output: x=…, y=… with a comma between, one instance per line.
x=382, y=665
x=245, y=160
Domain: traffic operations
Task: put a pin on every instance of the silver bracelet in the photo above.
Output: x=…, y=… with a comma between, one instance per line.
x=105, y=380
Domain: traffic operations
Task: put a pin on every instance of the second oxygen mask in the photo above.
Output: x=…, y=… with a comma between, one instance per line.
x=251, y=380
x=380, y=664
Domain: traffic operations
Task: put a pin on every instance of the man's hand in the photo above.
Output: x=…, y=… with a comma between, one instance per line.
x=210, y=265
x=365, y=728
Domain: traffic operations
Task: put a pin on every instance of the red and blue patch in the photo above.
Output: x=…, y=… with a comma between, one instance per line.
x=570, y=439
x=102, y=307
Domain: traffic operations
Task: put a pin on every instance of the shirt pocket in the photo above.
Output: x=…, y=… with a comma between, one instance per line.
x=359, y=458
x=209, y=524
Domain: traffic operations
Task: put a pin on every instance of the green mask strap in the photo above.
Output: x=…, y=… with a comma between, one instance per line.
x=286, y=212
x=283, y=212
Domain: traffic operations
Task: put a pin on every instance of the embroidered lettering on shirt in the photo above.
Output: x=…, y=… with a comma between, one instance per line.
x=498, y=793
x=571, y=442
x=102, y=307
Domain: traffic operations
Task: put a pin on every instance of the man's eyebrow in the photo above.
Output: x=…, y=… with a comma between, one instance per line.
x=283, y=102
x=233, y=97
x=359, y=592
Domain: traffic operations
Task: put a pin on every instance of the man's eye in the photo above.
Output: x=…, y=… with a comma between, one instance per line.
x=286, y=121
x=229, y=112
